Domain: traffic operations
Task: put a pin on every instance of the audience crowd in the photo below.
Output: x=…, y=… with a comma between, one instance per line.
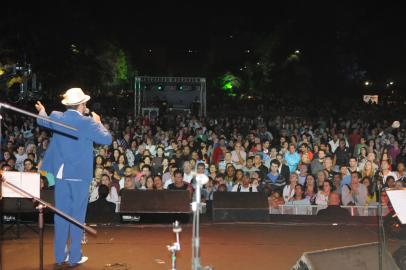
x=293, y=159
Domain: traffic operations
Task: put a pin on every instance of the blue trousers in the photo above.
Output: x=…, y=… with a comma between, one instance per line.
x=71, y=197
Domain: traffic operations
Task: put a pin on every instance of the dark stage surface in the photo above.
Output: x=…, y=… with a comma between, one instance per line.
x=224, y=246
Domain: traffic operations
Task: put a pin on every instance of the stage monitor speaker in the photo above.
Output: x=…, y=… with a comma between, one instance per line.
x=154, y=201
x=240, y=206
x=357, y=257
x=394, y=227
x=400, y=257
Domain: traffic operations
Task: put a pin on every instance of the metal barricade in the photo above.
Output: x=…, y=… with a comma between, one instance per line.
x=312, y=210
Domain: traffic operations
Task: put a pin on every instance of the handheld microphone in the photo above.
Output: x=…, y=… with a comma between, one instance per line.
x=87, y=112
x=396, y=124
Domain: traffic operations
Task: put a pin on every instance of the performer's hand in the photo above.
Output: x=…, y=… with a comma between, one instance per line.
x=96, y=117
x=39, y=106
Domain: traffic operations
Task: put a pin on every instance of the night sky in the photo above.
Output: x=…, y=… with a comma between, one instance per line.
x=206, y=39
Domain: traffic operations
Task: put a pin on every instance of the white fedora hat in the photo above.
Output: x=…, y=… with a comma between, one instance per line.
x=74, y=96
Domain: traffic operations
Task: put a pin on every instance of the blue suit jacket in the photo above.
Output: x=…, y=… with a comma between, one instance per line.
x=74, y=149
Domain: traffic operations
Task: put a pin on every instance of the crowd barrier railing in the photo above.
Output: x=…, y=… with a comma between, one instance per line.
x=311, y=210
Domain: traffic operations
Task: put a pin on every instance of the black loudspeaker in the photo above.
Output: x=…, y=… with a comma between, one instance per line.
x=240, y=206
x=394, y=227
x=357, y=257
x=154, y=201
x=400, y=257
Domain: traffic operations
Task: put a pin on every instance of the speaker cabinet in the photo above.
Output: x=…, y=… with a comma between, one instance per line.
x=357, y=257
x=240, y=206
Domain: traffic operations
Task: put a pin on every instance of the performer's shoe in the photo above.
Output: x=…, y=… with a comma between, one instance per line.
x=82, y=261
x=59, y=266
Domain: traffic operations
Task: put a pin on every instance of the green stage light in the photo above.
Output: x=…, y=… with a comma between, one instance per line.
x=179, y=87
x=160, y=87
x=228, y=86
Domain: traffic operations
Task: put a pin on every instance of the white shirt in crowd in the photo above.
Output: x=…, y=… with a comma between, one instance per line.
x=167, y=183
x=288, y=193
x=188, y=177
x=20, y=161
x=321, y=199
x=235, y=159
x=244, y=189
x=389, y=174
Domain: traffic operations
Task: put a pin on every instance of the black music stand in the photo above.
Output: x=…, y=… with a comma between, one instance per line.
x=16, y=204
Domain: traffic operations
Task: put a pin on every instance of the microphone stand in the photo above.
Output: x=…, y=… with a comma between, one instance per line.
x=381, y=230
x=7, y=106
x=196, y=206
x=41, y=205
x=175, y=246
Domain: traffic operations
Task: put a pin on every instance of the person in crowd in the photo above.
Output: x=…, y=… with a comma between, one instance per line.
x=20, y=156
x=187, y=172
x=44, y=184
x=283, y=168
x=302, y=174
x=101, y=210
x=259, y=166
x=149, y=183
x=113, y=193
x=275, y=200
x=289, y=189
x=238, y=155
x=333, y=209
x=400, y=172
x=292, y=158
x=390, y=182
x=179, y=183
x=385, y=171
x=244, y=186
x=310, y=189
x=300, y=202
x=306, y=154
x=328, y=168
x=249, y=166
x=158, y=185
x=99, y=161
x=129, y=183
x=355, y=193
x=323, y=194
x=321, y=178
x=168, y=178
x=28, y=166
x=230, y=176
x=353, y=165
x=222, y=188
x=239, y=174
x=367, y=182
x=213, y=171
x=274, y=178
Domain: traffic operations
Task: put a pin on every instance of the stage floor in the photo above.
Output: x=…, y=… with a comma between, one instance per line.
x=223, y=246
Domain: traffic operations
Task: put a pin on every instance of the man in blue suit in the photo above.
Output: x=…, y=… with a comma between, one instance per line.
x=69, y=158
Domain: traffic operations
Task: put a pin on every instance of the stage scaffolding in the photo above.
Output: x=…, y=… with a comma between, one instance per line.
x=145, y=88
